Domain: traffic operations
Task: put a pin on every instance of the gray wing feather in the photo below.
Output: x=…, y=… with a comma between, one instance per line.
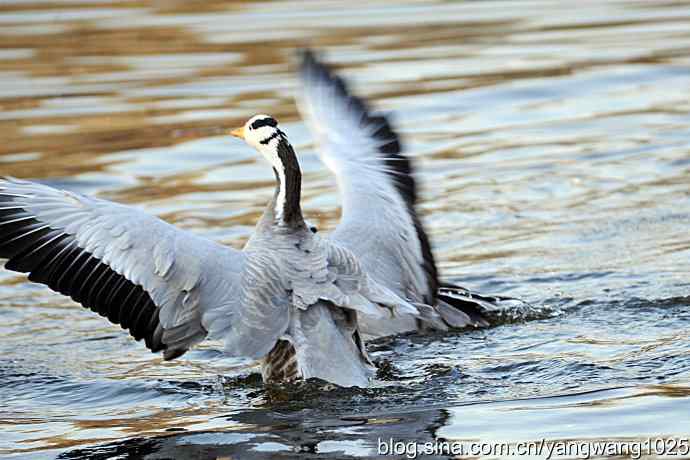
x=281, y=283
x=186, y=276
x=379, y=223
x=262, y=311
x=360, y=287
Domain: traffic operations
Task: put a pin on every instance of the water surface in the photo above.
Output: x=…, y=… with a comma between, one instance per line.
x=553, y=150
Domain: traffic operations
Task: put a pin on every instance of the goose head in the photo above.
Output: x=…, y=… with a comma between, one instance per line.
x=262, y=133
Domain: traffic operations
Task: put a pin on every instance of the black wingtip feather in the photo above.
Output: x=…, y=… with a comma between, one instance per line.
x=397, y=165
x=471, y=309
x=53, y=258
x=471, y=302
x=35, y=254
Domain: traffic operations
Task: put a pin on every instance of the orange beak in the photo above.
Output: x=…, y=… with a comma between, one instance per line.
x=238, y=132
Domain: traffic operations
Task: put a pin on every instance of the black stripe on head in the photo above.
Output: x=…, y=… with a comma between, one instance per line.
x=275, y=134
x=268, y=121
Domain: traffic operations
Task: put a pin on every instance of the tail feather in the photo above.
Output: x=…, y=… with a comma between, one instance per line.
x=322, y=342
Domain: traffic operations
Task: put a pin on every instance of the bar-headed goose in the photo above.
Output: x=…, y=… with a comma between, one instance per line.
x=289, y=297
x=379, y=222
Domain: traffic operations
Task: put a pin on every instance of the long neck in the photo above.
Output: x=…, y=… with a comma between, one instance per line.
x=289, y=186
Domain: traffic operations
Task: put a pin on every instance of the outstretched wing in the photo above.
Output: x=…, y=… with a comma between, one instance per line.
x=379, y=222
x=138, y=271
